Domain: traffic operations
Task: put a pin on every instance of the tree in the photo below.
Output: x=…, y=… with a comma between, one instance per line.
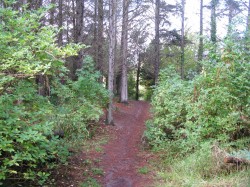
x=100, y=38
x=200, y=50
x=157, y=41
x=182, y=37
x=213, y=31
x=248, y=18
x=138, y=72
x=60, y=22
x=112, y=29
x=233, y=9
x=124, y=52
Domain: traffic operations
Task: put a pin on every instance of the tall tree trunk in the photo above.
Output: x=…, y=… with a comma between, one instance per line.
x=137, y=94
x=182, y=37
x=200, y=50
x=157, y=41
x=60, y=22
x=112, y=24
x=213, y=21
x=124, y=51
x=100, y=38
x=75, y=62
x=94, y=43
x=52, y=14
x=248, y=20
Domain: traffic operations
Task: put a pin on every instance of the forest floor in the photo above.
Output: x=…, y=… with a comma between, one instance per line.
x=115, y=156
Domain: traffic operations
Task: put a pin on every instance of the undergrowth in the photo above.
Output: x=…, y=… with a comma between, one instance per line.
x=194, y=117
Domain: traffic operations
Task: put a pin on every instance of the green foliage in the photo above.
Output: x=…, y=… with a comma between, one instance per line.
x=97, y=171
x=24, y=131
x=78, y=104
x=190, y=115
x=28, y=148
x=212, y=107
x=90, y=182
x=131, y=85
x=143, y=170
x=199, y=169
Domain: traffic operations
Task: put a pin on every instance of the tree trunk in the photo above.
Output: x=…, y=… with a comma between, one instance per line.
x=157, y=41
x=248, y=20
x=52, y=14
x=137, y=95
x=213, y=21
x=75, y=62
x=124, y=51
x=200, y=50
x=112, y=18
x=94, y=43
x=100, y=38
x=60, y=22
x=182, y=38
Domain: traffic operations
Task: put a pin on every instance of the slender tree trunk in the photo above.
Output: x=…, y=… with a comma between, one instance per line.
x=248, y=19
x=213, y=21
x=79, y=30
x=112, y=18
x=52, y=14
x=100, y=39
x=182, y=38
x=200, y=50
x=138, y=78
x=157, y=41
x=60, y=22
x=124, y=51
x=94, y=43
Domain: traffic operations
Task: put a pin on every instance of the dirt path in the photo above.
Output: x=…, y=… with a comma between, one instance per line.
x=122, y=158
x=116, y=163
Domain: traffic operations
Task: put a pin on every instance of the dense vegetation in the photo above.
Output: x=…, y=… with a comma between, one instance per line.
x=31, y=124
x=52, y=85
x=211, y=110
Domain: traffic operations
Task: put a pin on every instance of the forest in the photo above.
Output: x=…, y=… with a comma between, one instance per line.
x=124, y=93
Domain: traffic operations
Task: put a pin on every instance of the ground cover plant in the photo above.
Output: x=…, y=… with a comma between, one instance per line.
x=192, y=116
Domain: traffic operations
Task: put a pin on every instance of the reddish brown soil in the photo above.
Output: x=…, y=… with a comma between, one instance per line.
x=121, y=157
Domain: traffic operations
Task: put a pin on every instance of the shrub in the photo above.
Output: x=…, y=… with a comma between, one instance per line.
x=25, y=147
x=214, y=106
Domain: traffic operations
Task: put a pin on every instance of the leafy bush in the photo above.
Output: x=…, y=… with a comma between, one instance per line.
x=78, y=103
x=28, y=148
x=24, y=131
x=214, y=106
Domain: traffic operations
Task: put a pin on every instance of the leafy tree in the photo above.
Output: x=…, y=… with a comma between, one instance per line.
x=29, y=148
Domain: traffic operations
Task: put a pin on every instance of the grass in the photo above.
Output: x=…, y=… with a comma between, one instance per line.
x=143, y=170
x=97, y=171
x=199, y=169
x=90, y=182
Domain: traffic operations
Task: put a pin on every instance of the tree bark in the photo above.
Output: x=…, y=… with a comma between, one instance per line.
x=60, y=22
x=157, y=41
x=100, y=38
x=52, y=14
x=200, y=50
x=182, y=38
x=112, y=18
x=137, y=94
x=75, y=62
x=124, y=51
x=213, y=21
x=248, y=19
